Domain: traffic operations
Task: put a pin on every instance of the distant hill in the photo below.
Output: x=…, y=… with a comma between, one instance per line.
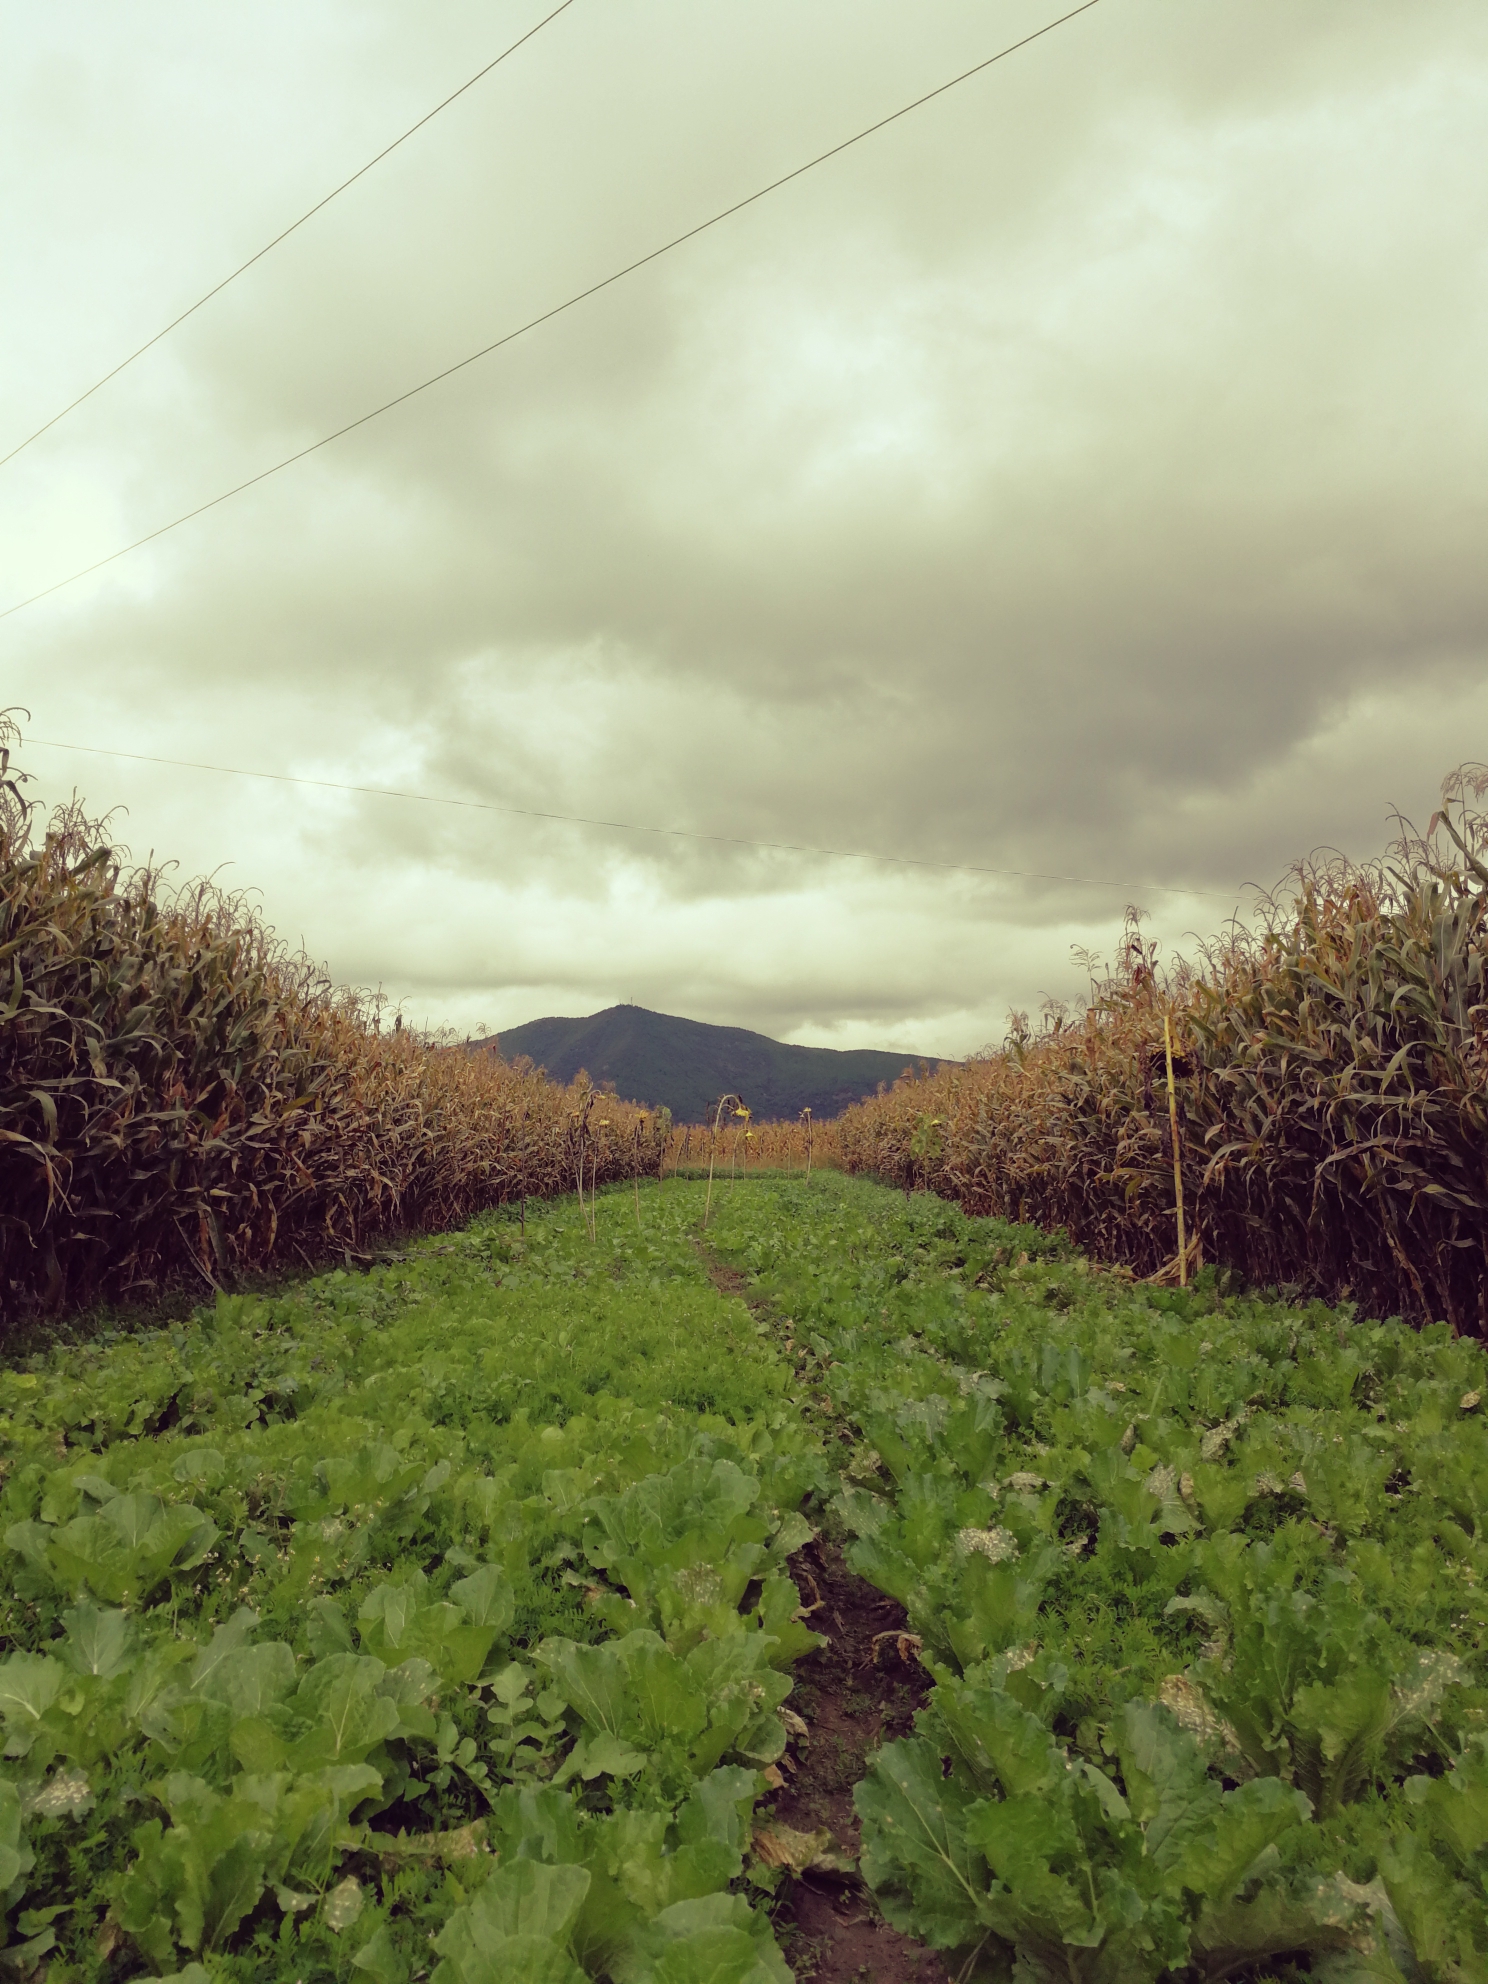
x=687, y=1065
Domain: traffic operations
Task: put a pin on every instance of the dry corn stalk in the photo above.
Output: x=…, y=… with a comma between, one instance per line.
x=1329, y=1112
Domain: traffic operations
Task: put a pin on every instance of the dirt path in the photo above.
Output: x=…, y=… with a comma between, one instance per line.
x=858, y=1690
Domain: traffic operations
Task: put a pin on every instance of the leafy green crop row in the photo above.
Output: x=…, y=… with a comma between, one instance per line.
x=433, y=1618
x=1201, y=1582
x=438, y=1621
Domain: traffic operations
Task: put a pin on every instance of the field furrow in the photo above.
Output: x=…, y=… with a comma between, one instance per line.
x=851, y=1587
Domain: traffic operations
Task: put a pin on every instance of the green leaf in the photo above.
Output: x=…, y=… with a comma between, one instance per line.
x=636, y=1689
x=542, y=1824
x=1339, y=1730
x=487, y=1598
x=1169, y=1790
x=133, y=1542
x=16, y=1856
x=716, y=1939
x=518, y=1927
x=526, y=1898
x=386, y=1619
x=1316, y=1919
x=1219, y=1860
x=380, y=1960
x=793, y=1534
x=344, y=1904
x=1454, y=1808
x=719, y=1807
x=97, y=1642
x=327, y=1632
x=22, y=1958
x=514, y=1960
x=684, y=1544
x=1022, y=1839
x=29, y=1540
x=395, y=1624
x=225, y=1641
x=606, y=1755
x=29, y=1684
x=195, y=1882
x=511, y=1683
x=234, y=1883
x=339, y=1713
x=593, y=1679
x=1001, y=1744
x=251, y=1679
x=926, y=1875
x=1444, y=1918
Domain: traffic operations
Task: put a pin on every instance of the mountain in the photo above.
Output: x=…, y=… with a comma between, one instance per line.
x=686, y=1065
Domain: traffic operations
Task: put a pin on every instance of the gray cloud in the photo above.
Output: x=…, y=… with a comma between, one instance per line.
x=1087, y=475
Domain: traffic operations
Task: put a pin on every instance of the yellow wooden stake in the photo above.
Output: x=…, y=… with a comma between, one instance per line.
x=1177, y=1158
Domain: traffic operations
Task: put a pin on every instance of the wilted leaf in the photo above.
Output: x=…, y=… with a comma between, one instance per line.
x=65, y=1794
x=343, y=1904
x=779, y=1845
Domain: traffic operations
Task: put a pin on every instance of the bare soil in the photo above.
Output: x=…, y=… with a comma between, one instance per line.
x=858, y=1690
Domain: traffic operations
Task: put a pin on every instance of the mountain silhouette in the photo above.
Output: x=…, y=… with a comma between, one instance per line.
x=686, y=1065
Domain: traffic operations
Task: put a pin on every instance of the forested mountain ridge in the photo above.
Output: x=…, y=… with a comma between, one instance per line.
x=686, y=1065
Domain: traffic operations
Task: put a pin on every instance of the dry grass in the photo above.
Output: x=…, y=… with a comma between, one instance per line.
x=1332, y=1081
x=181, y=1095
x=782, y=1146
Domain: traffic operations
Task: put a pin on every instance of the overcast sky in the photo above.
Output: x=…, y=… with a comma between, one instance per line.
x=1086, y=475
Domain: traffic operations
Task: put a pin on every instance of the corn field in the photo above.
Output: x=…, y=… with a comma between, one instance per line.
x=182, y=1097
x=1331, y=1075
x=789, y=1146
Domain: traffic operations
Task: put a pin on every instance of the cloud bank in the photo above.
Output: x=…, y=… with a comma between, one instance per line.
x=1086, y=476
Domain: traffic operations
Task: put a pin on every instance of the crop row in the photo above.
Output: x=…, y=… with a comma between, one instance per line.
x=735, y=1145
x=1331, y=1089
x=1201, y=1582
x=430, y=1617
x=182, y=1098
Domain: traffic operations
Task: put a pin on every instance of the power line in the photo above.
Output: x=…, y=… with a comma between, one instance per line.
x=547, y=316
x=218, y=288
x=627, y=826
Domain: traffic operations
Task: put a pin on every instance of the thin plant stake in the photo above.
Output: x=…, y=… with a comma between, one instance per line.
x=1177, y=1157
x=712, y=1146
x=594, y=1184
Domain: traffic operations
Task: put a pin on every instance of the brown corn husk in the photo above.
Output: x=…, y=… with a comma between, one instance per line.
x=1332, y=1092
x=182, y=1096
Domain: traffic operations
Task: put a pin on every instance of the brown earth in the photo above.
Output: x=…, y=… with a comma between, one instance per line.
x=858, y=1690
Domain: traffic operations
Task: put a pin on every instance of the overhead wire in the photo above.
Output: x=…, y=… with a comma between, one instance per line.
x=310, y=213
x=629, y=826
x=557, y=310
